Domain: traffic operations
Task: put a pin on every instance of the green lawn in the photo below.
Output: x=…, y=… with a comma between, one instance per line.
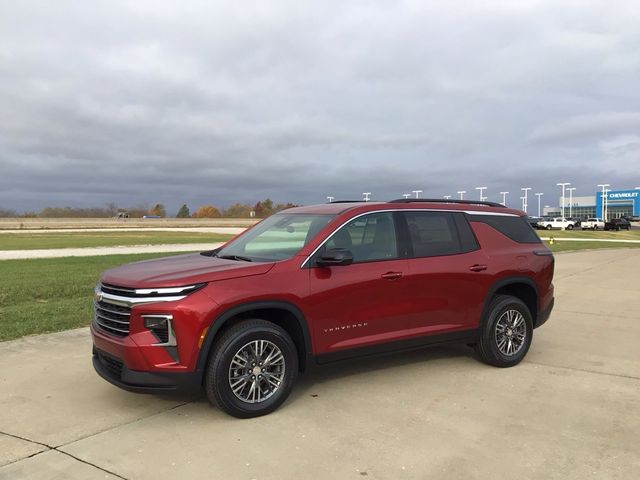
x=599, y=234
x=31, y=241
x=51, y=294
x=566, y=246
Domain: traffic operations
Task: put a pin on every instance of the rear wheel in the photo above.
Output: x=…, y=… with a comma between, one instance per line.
x=252, y=369
x=506, y=332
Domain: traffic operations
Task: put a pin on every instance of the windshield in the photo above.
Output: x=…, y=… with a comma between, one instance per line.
x=279, y=237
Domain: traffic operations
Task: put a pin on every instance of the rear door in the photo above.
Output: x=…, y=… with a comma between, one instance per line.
x=447, y=280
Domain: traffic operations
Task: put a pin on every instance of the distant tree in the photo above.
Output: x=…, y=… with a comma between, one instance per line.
x=238, y=210
x=112, y=209
x=207, y=211
x=267, y=207
x=183, y=212
x=159, y=210
x=283, y=206
x=7, y=213
x=259, y=210
x=138, y=211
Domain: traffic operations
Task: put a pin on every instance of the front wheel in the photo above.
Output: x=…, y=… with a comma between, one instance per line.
x=252, y=369
x=506, y=332
x=569, y=227
x=548, y=227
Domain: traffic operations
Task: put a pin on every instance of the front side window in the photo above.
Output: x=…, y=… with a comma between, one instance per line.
x=279, y=237
x=370, y=237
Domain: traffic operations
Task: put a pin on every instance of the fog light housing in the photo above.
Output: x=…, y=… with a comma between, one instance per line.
x=162, y=329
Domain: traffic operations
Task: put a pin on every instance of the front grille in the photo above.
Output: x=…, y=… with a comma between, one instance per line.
x=121, y=291
x=111, y=364
x=113, y=319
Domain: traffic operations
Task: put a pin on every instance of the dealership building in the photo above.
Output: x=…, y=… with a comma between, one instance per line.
x=619, y=203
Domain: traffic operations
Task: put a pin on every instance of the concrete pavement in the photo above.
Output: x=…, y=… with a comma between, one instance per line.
x=571, y=410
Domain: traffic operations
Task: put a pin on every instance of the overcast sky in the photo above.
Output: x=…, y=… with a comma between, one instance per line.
x=217, y=102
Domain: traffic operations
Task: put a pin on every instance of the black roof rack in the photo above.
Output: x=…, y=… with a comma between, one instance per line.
x=445, y=200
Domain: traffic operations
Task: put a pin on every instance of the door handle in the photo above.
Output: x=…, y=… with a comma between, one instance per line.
x=391, y=275
x=477, y=267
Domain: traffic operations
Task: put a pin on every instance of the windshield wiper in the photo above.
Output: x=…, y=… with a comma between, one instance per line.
x=236, y=257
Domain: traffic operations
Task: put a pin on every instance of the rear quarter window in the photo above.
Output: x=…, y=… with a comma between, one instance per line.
x=516, y=228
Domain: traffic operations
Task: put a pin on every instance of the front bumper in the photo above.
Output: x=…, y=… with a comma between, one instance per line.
x=114, y=371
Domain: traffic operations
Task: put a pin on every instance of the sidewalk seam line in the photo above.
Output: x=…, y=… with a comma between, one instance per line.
x=584, y=370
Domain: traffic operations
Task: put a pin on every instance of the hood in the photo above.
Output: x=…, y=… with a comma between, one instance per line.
x=181, y=270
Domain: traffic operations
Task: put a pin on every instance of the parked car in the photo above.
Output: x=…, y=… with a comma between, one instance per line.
x=533, y=221
x=617, y=224
x=557, y=223
x=632, y=218
x=592, y=224
x=318, y=284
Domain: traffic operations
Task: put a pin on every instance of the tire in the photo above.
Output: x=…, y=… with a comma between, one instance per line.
x=238, y=343
x=492, y=348
x=569, y=227
x=548, y=227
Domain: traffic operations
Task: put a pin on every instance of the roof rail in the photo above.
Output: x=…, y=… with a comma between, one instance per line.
x=347, y=201
x=444, y=200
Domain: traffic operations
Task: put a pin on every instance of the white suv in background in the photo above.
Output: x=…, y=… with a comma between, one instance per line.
x=557, y=222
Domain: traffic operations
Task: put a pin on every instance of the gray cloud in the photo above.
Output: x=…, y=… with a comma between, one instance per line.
x=222, y=102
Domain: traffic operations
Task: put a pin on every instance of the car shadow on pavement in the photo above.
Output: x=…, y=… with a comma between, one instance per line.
x=346, y=369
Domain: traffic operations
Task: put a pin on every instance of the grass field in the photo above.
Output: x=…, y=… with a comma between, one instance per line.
x=567, y=245
x=49, y=295
x=32, y=241
x=599, y=234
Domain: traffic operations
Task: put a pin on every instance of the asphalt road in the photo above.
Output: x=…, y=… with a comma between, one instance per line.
x=571, y=410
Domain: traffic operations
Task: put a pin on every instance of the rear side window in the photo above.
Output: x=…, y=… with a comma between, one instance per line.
x=516, y=228
x=439, y=233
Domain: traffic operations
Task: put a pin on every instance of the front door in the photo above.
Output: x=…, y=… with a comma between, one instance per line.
x=364, y=303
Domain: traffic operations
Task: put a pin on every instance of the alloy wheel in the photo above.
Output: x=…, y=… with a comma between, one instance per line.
x=511, y=332
x=256, y=371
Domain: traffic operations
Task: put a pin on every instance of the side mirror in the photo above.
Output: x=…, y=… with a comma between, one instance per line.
x=334, y=257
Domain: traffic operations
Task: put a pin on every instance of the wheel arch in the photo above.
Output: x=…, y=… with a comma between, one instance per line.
x=523, y=288
x=284, y=314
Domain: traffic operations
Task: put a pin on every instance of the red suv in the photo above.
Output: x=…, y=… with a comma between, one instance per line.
x=316, y=284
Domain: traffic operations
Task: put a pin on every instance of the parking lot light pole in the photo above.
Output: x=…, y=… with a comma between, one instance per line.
x=482, y=189
x=604, y=200
x=446, y=197
x=417, y=193
x=461, y=193
x=570, y=190
x=539, y=195
x=406, y=195
x=367, y=196
x=330, y=199
x=563, y=185
x=504, y=198
x=525, y=204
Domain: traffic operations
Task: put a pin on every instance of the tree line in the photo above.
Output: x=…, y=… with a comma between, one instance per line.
x=261, y=209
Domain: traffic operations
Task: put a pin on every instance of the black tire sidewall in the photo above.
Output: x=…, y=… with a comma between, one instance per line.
x=490, y=346
x=217, y=374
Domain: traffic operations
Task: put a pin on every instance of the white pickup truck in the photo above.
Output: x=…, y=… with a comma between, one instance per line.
x=592, y=224
x=557, y=222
